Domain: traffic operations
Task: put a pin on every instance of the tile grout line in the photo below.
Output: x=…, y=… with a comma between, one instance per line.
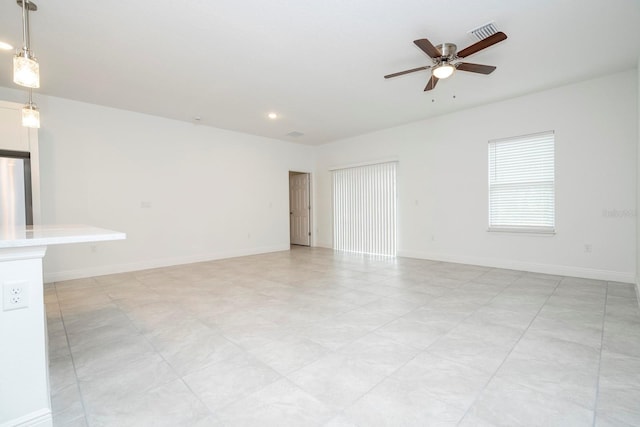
x=604, y=317
x=341, y=411
x=357, y=307
x=73, y=362
x=468, y=316
x=424, y=350
x=155, y=349
x=510, y=351
x=113, y=301
x=370, y=332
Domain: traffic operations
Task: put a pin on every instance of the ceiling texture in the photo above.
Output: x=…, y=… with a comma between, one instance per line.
x=319, y=65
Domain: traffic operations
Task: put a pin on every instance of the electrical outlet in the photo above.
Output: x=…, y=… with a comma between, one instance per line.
x=15, y=295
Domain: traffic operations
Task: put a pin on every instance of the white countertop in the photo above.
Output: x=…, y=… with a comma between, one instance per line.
x=45, y=235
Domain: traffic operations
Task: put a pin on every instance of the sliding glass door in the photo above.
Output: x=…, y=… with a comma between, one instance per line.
x=364, y=209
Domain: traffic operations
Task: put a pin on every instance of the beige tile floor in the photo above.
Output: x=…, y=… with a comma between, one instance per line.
x=312, y=337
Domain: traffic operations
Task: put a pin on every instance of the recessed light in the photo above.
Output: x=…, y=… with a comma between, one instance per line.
x=5, y=46
x=272, y=116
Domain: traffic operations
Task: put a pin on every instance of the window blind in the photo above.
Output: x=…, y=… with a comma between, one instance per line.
x=364, y=209
x=522, y=183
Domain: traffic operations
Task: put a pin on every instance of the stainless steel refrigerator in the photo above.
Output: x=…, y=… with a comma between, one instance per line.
x=15, y=189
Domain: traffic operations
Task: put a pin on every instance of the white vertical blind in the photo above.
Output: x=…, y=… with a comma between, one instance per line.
x=364, y=209
x=521, y=183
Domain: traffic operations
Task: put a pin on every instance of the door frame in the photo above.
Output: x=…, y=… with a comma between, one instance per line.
x=25, y=156
x=29, y=143
x=312, y=234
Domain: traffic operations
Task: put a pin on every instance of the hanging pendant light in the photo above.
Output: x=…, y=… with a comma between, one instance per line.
x=26, y=70
x=30, y=114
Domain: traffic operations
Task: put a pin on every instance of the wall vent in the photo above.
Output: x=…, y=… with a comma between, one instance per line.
x=295, y=134
x=484, y=31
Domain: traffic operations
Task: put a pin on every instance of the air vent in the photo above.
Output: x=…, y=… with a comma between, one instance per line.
x=484, y=31
x=295, y=134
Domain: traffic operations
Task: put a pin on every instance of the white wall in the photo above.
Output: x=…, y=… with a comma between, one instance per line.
x=14, y=136
x=213, y=193
x=638, y=194
x=442, y=180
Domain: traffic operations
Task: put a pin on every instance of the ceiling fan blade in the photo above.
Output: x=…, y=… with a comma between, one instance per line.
x=428, y=48
x=406, y=72
x=476, y=68
x=433, y=81
x=482, y=44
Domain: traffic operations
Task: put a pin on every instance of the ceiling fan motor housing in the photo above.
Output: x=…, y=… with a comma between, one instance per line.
x=447, y=50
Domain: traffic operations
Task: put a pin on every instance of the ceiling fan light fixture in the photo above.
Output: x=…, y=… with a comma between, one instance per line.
x=443, y=71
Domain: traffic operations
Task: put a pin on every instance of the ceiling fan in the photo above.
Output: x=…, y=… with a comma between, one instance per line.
x=446, y=59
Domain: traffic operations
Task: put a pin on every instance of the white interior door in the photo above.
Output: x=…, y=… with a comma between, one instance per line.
x=299, y=209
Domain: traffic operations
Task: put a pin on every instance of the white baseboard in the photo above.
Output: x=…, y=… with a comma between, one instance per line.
x=488, y=262
x=560, y=270
x=39, y=418
x=58, y=276
x=324, y=245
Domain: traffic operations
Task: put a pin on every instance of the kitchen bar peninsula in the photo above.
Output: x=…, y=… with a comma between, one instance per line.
x=24, y=377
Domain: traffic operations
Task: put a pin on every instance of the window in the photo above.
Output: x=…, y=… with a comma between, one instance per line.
x=521, y=184
x=364, y=209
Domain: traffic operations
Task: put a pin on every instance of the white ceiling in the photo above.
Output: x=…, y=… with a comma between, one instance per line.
x=320, y=64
